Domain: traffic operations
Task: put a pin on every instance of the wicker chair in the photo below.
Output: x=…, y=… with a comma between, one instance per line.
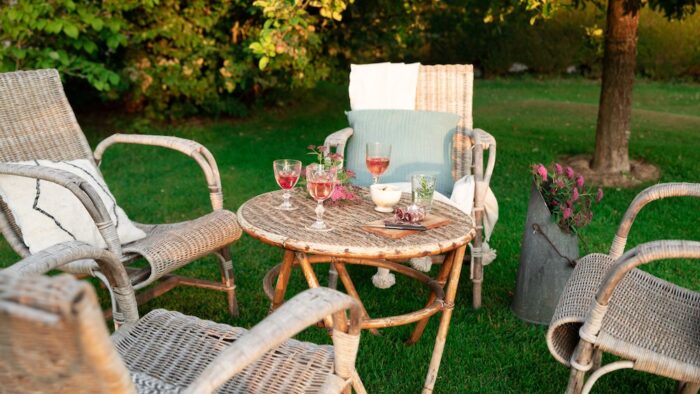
x=53, y=339
x=37, y=122
x=449, y=88
x=609, y=306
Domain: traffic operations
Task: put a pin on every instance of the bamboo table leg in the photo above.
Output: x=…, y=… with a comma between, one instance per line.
x=441, y=278
x=350, y=288
x=282, y=279
x=444, y=320
x=312, y=280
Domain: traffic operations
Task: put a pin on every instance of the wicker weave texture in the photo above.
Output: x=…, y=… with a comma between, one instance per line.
x=54, y=340
x=450, y=88
x=149, y=345
x=36, y=120
x=649, y=320
x=49, y=342
x=259, y=218
x=168, y=247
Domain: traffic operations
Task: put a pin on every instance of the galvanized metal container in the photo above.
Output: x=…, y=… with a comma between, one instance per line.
x=546, y=260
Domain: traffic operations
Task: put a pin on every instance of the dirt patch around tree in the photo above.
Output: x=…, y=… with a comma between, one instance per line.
x=641, y=171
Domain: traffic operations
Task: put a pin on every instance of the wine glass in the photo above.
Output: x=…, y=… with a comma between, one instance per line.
x=377, y=159
x=320, y=183
x=286, y=174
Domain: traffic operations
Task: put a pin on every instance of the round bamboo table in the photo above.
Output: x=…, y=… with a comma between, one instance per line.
x=349, y=243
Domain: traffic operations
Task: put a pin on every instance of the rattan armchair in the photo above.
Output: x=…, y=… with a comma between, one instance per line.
x=449, y=88
x=53, y=338
x=37, y=122
x=610, y=306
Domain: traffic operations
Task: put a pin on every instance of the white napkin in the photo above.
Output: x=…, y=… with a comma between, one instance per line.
x=462, y=197
x=383, y=86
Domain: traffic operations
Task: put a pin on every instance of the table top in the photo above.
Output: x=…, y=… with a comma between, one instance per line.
x=286, y=229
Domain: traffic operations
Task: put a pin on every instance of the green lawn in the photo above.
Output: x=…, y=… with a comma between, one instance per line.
x=489, y=350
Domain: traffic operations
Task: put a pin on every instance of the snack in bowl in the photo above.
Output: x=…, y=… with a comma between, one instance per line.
x=384, y=197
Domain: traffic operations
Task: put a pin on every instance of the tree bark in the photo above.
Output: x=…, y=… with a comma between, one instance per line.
x=614, y=112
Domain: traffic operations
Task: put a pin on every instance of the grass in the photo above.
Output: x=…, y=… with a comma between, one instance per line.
x=489, y=350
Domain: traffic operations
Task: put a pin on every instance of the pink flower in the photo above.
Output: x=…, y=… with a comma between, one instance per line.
x=336, y=156
x=322, y=148
x=558, y=169
x=567, y=213
x=350, y=173
x=311, y=147
x=560, y=183
x=599, y=195
x=579, y=181
x=569, y=172
x=542, y=171
x=574, y=194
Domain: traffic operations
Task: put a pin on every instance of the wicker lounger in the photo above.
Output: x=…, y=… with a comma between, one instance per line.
x=37, y=122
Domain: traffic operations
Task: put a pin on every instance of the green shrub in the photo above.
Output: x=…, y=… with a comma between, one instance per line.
x=168, y=57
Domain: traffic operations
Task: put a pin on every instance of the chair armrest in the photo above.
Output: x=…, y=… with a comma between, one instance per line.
x=482, y=177
x=338, y=140
x=642, y=254
x=190, y=148
x=293, y=316
x=483, y=137
x=656, y=192
x=81, y=189
x=67, y=252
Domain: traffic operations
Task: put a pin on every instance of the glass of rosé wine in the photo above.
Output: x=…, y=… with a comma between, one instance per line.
x=287, y=174
x=320, y=182
x=377, y=159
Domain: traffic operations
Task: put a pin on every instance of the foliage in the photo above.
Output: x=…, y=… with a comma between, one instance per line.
x=566, y=196
x=171, y=57
x=81, y=39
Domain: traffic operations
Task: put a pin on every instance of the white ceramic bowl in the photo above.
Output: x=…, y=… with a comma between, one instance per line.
x=385, y=197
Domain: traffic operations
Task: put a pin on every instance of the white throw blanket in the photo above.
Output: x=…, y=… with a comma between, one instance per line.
x=383, y=86
x=393, y=86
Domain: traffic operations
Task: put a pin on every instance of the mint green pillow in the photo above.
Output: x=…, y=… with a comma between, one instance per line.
x=421, y=143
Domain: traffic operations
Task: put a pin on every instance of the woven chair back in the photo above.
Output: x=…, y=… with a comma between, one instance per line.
x=36, y=122
x=450, y=88
x=53, y=338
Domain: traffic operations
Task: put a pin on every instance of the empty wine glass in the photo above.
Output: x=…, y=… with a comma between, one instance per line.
x=286, y=174
x=377, y=159
x=320, y=183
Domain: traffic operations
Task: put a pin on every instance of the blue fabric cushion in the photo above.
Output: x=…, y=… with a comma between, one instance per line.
x=421, y=143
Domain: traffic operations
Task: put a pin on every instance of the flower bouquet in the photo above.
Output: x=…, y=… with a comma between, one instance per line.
x=344, y=191
x=566, y=196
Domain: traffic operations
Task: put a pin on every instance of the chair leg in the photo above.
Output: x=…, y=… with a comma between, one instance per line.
x=581, y=361
x=115, y=314
x=226, y=266
x=478, y=279
x=576, y=380
x=687, y=388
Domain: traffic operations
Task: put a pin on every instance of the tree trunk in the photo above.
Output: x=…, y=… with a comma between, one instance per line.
x=615, y=109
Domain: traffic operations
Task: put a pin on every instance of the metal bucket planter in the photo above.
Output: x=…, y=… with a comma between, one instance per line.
x=547, y=258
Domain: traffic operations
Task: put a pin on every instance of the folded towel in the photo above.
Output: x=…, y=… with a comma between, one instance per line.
x=383, y=86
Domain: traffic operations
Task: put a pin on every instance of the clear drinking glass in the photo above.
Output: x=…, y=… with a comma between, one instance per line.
x=423, y=189
x=320, y=182
x=377, y=159
x=287, y=175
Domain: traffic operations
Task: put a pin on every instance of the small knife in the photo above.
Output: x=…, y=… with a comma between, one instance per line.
x=399, y=226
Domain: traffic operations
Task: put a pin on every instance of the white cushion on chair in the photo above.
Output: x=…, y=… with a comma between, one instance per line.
x=48, y=213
